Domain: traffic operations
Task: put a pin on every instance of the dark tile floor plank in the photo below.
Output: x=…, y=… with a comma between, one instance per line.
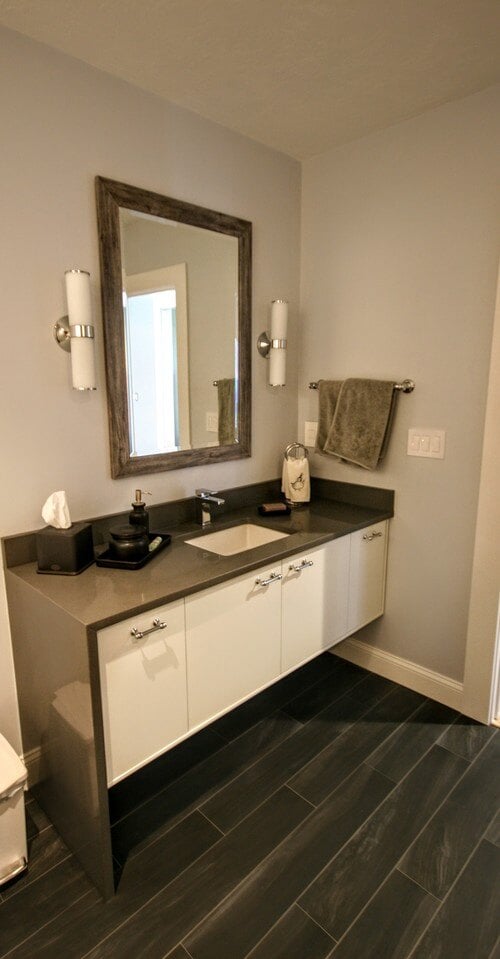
x=78, y=930
x=466, y=737
x=302, y=680
x=343, y=679
x=493, y=834
x=408, y=744
x=40, y=902
x=481, y=784
x=178, y=953
x=167, y=918
x=36, y=819
x=295, y=936
x=444, y=846
x=345, y=886
x=391, y=924
x=45, y=850
x=468, y=923
x=142, y=785
x=237, y=925
x=150, y=820
x=323, y=774
x=259, y=781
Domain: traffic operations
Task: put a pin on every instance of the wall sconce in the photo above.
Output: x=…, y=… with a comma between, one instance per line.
x=75, y=333
x=274, y=345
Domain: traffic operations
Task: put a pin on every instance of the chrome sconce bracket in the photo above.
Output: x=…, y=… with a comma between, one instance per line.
x=265, y=344
x=64, y=333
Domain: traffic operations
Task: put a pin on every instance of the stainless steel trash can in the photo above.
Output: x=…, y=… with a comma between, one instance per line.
x=13, y=846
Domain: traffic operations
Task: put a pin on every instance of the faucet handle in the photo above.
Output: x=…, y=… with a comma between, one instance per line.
x=201, y=493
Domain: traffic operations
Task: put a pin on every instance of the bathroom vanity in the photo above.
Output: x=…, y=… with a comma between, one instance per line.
x=116, y=667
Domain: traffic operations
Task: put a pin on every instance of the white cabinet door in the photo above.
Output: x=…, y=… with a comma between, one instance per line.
x=233, y=642
x=143, y=688
x=367, y=575
x=315, y=588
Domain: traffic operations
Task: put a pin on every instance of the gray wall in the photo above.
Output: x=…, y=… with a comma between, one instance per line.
x=400, y=248
x=62, y=124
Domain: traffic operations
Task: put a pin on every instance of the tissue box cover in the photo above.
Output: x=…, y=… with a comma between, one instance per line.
x=65, y=551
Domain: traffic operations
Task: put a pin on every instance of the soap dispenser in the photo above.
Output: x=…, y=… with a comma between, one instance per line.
x=139, y=515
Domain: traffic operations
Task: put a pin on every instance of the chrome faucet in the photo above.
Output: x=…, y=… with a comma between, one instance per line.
x=204, y=500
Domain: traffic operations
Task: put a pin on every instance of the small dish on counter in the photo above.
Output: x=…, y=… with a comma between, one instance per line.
x=157, y=542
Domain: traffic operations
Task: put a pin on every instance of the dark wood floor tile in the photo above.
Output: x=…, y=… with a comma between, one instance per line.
x=323, y=774
x=493, y=834
x=45, y=850
x=275, y=697
x=40, y=902
x=295, y=936
x=468, y=923
x=142, y=785
x=408, y=744
x=44, y=942
x=440, y=852
x=481, y=784
x=256, y=783
x=373, y=687
x=167, y=918
x=336, y=897
x=78, y=930
x=443, y=847
x=391, y=924
x=311, y=701
x=238, y=924
x=148, y=822
x=178, y=953
x=466, y=737
x=36, y=819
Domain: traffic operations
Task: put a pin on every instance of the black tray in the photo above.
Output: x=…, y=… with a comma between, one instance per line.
x=106, y=560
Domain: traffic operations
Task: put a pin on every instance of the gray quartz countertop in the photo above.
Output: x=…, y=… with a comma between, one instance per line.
x=101, y=596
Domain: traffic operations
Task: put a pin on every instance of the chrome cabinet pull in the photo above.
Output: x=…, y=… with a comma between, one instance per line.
x=140, y=633
x=303, y=565
x=273, y=578
x=370, y=536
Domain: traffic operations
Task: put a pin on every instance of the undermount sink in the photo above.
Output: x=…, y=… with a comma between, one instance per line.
x=236, y=539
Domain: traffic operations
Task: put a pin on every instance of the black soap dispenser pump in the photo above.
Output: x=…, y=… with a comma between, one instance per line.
x=139, y=515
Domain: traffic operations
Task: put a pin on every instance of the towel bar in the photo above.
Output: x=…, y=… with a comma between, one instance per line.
x=294, y=448
x=407, y=386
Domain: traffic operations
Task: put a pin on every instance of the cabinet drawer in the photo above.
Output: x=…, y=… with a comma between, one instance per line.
x=367, y=575
x=233, y=634
x=143, y=687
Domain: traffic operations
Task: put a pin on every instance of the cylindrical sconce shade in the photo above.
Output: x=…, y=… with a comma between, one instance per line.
x=82, y=363
x=81, y=329
x=277, y=353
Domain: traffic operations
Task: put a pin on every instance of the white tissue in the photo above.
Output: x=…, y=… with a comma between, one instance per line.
x=55, y=511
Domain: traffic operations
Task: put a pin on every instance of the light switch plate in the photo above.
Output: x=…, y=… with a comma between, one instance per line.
x=212, y=423
x=310, y=431
x=424, y=441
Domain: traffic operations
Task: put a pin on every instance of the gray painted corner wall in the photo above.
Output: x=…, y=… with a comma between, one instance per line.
x=400, y=248
x=62, y=124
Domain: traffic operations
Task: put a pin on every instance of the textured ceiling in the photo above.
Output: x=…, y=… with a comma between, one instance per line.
x=299, y=75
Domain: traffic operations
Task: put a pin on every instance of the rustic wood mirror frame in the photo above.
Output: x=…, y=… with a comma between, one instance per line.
x=111, y=197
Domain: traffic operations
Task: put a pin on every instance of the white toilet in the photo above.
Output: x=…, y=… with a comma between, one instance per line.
x=13, y=845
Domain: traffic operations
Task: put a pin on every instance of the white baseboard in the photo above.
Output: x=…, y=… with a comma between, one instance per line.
x=403, y=671
x=31, y=760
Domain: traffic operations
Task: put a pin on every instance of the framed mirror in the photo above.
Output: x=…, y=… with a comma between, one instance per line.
x=176, y=299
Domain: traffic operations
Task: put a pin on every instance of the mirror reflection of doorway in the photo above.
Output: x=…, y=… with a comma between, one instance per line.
x=155, y=314
x=150, y=341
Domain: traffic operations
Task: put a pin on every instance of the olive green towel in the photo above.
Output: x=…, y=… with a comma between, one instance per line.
x=362, y=422
x=328, y=394
x=227, y=424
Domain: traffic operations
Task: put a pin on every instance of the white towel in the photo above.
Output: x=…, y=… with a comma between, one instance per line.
x=295, y=482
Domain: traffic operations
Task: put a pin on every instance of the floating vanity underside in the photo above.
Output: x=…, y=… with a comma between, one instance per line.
x=97, y=702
